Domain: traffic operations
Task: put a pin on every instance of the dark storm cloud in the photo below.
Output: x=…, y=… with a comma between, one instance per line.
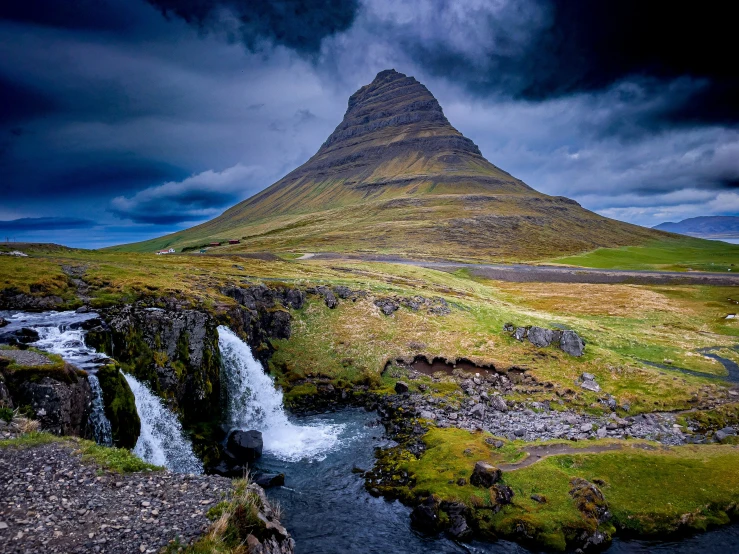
x=544, y=49
x=44, y=224
x=69, y=14
x=19, y=102
x=298, y=24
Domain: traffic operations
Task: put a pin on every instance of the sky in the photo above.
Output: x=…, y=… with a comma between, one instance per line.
x=123, y=120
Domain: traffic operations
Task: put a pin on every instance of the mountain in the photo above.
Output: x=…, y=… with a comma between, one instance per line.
x=396, y=177
x=726, y=226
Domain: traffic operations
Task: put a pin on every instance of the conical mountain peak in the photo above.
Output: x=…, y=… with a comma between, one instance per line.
x=396, y=177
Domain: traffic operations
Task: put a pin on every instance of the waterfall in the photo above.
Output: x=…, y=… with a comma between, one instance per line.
x=61, y=333
x=101, y=428
x=161, y=441
x=253, y=402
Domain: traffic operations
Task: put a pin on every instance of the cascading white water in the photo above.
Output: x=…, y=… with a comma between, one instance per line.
x=161, y=441
x=61, y=333
x=254, y=403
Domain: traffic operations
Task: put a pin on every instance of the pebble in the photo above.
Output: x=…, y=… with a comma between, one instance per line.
x=52, y=502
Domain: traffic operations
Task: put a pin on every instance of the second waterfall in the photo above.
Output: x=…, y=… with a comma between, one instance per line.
x=253, y=402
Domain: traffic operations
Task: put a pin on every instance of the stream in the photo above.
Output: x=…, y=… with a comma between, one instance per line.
x=324, y=504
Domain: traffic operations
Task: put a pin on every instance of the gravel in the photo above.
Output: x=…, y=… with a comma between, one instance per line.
x=52, y=501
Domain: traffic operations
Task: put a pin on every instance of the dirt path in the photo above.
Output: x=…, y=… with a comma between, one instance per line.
x=538, y=453
x=522, y=273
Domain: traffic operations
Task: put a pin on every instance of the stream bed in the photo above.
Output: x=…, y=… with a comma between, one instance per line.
x=328, y=511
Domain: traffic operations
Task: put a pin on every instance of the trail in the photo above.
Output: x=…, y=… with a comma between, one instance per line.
x=524, y=273
x=540, y=452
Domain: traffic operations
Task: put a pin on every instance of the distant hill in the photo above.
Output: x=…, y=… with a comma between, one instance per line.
x=725, y=226
x=396, y=178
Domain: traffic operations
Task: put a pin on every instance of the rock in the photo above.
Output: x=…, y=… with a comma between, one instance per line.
x=586, y=427
x=519, y=333
x=387, y=305
x=601, y=433
x=508, y=327
x=267, y=480
x=589, y=500
x=61, y=404
x=538, y=498
x=401, y=387
x=485, y=475
x=458, y=528
x=538, y=336
x=226, y=469
x=478, y=410
x=587, y=377
x=120, y=406
x=246, y=446
x=498, y=404
x=425, y=516
x=6, y=401
x=19, y=336
x=502, y=494
x=591, y=386
x=571, y=343
x=519, y=432
x=328, y=296
x=426, y=414
x=343, y=292
x=4, y=322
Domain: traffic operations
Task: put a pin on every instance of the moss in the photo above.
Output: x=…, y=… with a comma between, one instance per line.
x=6, y=414
x=118, y=460
x=120, y=406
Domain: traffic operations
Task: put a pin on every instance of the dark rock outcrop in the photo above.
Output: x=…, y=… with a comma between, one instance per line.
x=175, y=351
x=327, y=294
x=485, y=475
x=571, y=343
x=120, y=407
x=13, y=299
x=568, y=341
x=387, y=306
x=246, y=446
x=425, y=516
x=3, y=322
x=60, y=403
x=401, y=387
x=267, y=480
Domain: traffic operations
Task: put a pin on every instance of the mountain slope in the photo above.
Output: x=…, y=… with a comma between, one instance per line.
x=704, y=226
x=396, y=177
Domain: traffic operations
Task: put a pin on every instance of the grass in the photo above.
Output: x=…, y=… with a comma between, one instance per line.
x=622, y=324
x=638, y=484
x=118, y=460
x=234, y=520
x=675, y=254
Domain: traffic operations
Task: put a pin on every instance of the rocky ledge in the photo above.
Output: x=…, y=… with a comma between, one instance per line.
x=51, y=500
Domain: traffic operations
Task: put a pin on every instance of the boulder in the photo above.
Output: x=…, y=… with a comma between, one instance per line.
x=267, y=480
x=3, y=322
x=485, y=475
x=498, y=404
x=425, y=516
x=478, y=410
x=571, y=343
x=519, y=333
x=502, y=494
x=343, y=292
x=328, y=296
x=246, y=446
x=226, y=469
x=539, y=498
x=19, y=336
x=401, y=387
x=591, y=386
x=538, y=336
x=387, y=305
x=508, y=327
x=456, y=511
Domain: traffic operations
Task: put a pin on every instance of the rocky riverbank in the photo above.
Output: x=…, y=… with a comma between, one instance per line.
x=55, y=499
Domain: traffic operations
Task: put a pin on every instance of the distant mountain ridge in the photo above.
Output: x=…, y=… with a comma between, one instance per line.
x=717, y=226
x=395, y=177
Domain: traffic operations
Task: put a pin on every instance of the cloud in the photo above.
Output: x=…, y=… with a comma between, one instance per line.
x=196, y=198
x=298, y=24
x=44, y=224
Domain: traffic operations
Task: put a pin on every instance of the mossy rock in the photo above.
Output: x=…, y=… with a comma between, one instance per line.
x=120, y=406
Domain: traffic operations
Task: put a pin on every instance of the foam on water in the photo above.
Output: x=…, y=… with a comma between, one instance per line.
x=161, y=441
x=253, y=402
